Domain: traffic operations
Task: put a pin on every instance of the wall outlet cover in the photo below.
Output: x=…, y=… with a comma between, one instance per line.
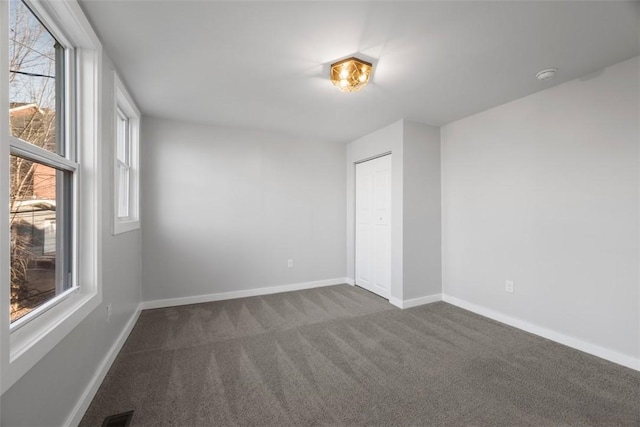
x=509, y=286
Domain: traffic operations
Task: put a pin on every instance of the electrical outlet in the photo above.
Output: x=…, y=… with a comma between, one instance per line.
x=290, y=263
x=108, y=312
x=509, y=286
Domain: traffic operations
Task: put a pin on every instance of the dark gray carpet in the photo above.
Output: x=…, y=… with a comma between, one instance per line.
x=340, y=355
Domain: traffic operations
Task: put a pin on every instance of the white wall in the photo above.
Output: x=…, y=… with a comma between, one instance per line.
x=544, y=191
x=49, y=392
x=224, y=210
x=421, y=213
x=385, y=140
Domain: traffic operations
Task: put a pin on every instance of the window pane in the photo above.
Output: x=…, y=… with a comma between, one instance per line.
x=123, y=191
x=40, y=264
x=32, y=79
x=123, y=138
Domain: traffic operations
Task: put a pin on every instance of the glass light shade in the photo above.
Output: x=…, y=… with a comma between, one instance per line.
x=351, y=74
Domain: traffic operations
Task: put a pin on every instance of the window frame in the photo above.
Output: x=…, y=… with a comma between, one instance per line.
x=22, y=347
x=124, y=106
x=62, y=159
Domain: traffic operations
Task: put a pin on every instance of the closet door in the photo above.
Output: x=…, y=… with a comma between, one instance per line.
x=373, y=225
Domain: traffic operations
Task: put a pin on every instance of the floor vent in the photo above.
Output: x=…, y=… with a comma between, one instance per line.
x=118, y=420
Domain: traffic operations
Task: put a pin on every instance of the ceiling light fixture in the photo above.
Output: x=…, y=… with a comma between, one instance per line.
x=546, y=74
x=351, y=74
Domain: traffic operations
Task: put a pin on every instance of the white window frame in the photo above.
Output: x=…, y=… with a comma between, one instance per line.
x=125, y=106
x=67, y=162
x=22, y=347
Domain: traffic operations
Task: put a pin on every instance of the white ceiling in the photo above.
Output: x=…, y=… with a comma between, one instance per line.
x=265, y=65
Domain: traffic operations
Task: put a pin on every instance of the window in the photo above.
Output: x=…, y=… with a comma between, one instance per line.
x=126, y=162
x=42, y=167
x=50, y=63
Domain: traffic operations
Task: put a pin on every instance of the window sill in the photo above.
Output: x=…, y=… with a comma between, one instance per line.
x=34, y=340
x=120, y=227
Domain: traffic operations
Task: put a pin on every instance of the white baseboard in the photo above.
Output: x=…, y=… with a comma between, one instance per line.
x=604, y=353
x=350, y=281
x=89, y=393
x=171, y=302
x=395, y=301
x=414, y=302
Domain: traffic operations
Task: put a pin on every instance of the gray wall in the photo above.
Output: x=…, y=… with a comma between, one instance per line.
x=421, y=213
x=544, y=191
x=47, y=394
x=224, y=209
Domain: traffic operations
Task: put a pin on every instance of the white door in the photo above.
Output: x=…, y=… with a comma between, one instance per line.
x=373, y=225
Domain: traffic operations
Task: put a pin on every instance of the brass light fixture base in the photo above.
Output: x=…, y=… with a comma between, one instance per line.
x=351, y=74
